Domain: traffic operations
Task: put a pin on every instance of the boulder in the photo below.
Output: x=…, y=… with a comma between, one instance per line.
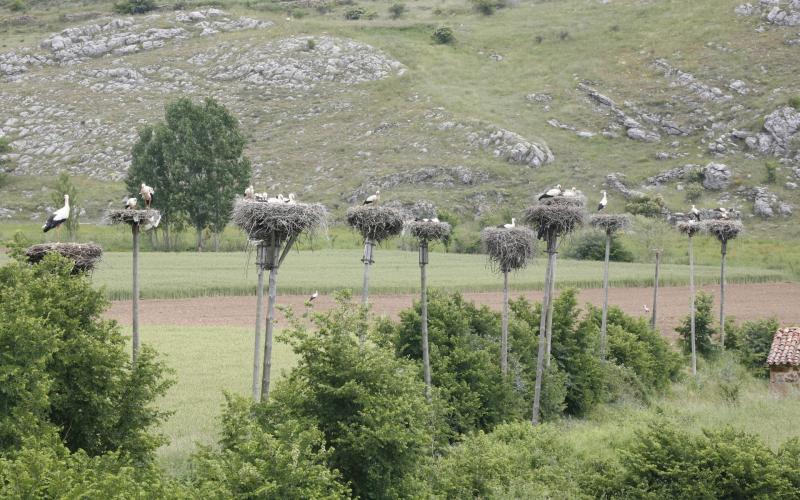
x=716, y=176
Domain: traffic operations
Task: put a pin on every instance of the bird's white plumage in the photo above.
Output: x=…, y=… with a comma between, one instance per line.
x=512, y=225
x=603, y=202
x=373, y=198
x=291, y=200
x=695, y=212
x=571, y=193
x=250, y=192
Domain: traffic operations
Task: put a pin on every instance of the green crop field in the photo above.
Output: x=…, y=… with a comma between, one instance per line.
x=183, y=275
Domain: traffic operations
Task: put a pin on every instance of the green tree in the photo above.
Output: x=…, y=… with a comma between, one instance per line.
x=703, y=327
x=152, y=164
x=62, y=186
x=752, y=340
x=5, y=164
x=207, y=148
x=67, y=368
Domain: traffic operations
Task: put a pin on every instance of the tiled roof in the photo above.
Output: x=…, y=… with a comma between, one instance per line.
x=785, y=348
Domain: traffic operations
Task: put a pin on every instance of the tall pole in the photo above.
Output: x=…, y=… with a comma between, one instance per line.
x=655, y=291
x=722, y=293
x=504, y=333
x=426, y=362
x=604, y=320
x=551, y=301
x=537, y=393
x=135, y=266
x=692, y=311
x=273, y=279
x=369, y=247
x=261, y=255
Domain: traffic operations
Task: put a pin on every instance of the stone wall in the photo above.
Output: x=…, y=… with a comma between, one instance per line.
x=784, y=378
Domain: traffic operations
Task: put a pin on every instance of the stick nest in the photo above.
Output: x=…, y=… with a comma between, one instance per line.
x=429, y=231
x=723, y=230
x=149, y=218
x=375, y=223
x=611, y=223
x=558, y=216
x=84, y=255
x=508, y=249
x=689, y=228
x=261, y=220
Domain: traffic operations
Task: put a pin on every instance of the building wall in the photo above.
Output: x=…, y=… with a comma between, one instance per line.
x=784, y=377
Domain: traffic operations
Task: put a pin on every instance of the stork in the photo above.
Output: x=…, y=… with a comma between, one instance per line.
x=313, y=296
x=552, y=193
x=646, y=309
x=291, y=199
x=509, y=226
x=723, y=212
x=57, y=218
x=695, y=212
x=373, y=198
x=571, y=193
x=129, y=202
x=250, y=193
x=147, y=194
x=603, y=202
x=278, y=199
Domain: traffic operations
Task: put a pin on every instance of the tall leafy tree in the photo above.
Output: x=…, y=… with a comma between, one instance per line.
x=208, y=150
x=64, y=186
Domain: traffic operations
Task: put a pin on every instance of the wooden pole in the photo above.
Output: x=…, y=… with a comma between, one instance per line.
x=655, y=291
x=426, y=362
x=369, y=247
x=722, y=293
x=551, y=301
x=692, y=311
x=537, y=392
x=135, y=298
x=273, y=285
x=261, y=256
x=504, y=332
x=604, y=320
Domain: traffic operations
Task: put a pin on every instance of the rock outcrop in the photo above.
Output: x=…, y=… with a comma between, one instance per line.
x=778, y=12
x=614, y=182
x=512, y=147
x=716, y=176
x=780, y=130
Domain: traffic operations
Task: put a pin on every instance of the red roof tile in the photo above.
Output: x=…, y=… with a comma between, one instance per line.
x=785, y=348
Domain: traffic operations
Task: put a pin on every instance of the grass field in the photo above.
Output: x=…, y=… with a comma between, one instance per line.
x=183, y=275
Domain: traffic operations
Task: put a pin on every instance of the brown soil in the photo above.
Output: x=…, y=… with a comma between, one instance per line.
x=744, y=302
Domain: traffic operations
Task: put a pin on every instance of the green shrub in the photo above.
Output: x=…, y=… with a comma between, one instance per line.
x=397, y=10
x=648, y=206
x=795, y=102
x=485, y=7
x=770, y=172
x=592, y=246
x=135, y=6
x=355, y=13
x=17, y=5
x=693, y=192
x=703, y=327
x=443, y=35
x=752, y=341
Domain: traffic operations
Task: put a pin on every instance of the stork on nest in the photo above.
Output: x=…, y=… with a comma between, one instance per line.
x=374, y=222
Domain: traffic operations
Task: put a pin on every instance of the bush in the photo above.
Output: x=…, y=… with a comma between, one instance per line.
x=693, y=192
x=703, y=327
x=592, y=246
x=397, y=10
x=135, y=6
x=17, y=5
x=355, y=13
x=443, y=35
x=485, y=7
x=795, y=102
x=770, y=172
x=67, y=368
x=648, y=206
x=752, y=341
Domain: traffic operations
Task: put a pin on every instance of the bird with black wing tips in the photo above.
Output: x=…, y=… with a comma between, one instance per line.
x=57, y=218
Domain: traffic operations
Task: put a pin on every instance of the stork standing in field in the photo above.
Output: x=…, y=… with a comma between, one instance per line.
x=314, y=296
x=373, y=198
x=646, y=309
x=129, y=202
x=250, y=193
x=147, y=193
x=57, y=218
x=509, y=226
x=552, y=193
x=695, y=212
x=603, y=202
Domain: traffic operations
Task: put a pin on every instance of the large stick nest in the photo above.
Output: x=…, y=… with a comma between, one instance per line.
x=147, y=217
x=689, y=228
x=262, y=220
x=84, y=255
x=429, y=230
x=375, y=223
x=610, y=223
x=557, y=216
x=723, y=230
x=508, y=249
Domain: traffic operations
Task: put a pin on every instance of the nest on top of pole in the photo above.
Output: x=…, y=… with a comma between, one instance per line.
x=508, y=249
x=558, y=215
x=610, y=223
x=429, y=230
x=724, y=230
x=689, y=228
x=84, y=255
x=282, y=221
x=148, y=218
x=375, y=223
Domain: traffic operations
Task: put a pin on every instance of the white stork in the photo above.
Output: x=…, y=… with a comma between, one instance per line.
x=57, y=218
x=147, y=194
x=603, y=202
x=250, y=193
x=277, y=199
x=291, y=199
x=509, y=226
x=551, y=193
x=723, y=213
x=373, y=198
x=571, y=193
x=313, y=296
x=695, y=212
x=435, y=219
x=129, y=202
x=646, y=309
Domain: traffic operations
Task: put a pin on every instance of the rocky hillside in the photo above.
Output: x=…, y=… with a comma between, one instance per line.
x=689, y=100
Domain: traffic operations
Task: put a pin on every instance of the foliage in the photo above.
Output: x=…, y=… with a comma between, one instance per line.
x=5, y=165
x=795, y=102
x=355, y=13
x=464, y=353
x=69, y=366
x=64, y=186
x=592, y=246
x=397, y=10
x=752, y=341
x=135, y=6
x=485, y=7
x=17, y=5
x=286, y=459
x=443, y=35
x=704, y=328
x=693, y=192
x=368, y=404
x=648, y=206
x=770, y=172
x=667, y=462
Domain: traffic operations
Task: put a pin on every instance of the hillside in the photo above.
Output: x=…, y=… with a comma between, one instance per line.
x=665, y=95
